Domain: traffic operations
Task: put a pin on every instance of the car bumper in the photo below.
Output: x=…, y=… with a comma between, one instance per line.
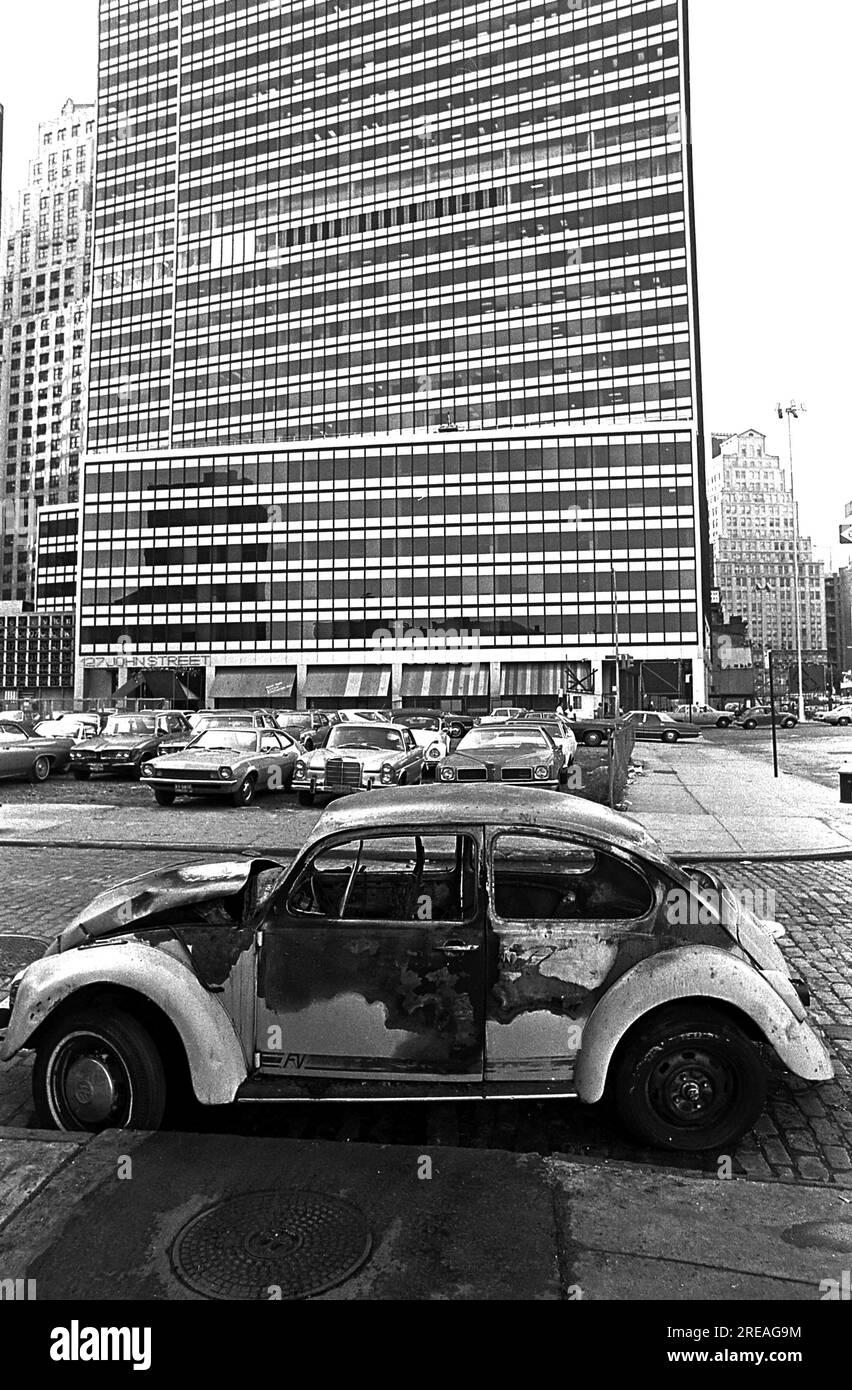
x=317, y=786
x=187, y=786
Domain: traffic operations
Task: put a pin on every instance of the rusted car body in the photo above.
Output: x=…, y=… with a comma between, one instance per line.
x=430, y=942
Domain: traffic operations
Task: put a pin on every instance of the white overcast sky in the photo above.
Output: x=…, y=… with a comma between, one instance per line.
x=770, y=92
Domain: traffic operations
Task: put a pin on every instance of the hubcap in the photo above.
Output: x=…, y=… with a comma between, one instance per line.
x=88, y=1084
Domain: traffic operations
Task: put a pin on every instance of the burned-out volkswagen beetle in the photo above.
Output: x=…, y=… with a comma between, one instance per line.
x=427, y=942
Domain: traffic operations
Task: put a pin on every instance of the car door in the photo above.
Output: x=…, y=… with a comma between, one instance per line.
x=372, y=963
x=16, y=752
x=564, y=917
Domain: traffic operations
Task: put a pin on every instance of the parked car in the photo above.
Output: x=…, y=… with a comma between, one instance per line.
x=75, y=727
x=647, y=724
x=430, y=734
x=504, y=752
x=126, y=742
x=244, y=718
x=305, y=726
x=561, y=731
x=358, y=757
x=841, y=714
x=364, y=716
x=507, y=712
x=760, y=716
x=702, y=715
x=224, y=761
x=593, y=732
x=506, y=943
x=25, y=754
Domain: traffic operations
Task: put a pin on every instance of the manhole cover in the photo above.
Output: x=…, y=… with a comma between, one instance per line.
x=252, y=1246
x=824, y=1235
x=18, y=951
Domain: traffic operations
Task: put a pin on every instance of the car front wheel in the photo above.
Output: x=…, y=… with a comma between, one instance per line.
x=96, y=1071
x=689, y=1080
x=749, y=723
x=593, y=739
x=40, y=770
x=669, y=736
x=723, y=723
x=244, y=795
x=164, y=796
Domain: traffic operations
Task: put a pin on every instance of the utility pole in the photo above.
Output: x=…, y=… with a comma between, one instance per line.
x=792, y=412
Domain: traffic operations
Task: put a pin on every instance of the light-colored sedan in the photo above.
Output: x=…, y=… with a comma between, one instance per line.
x=841, y=714
x=705, y=716
x=359, y=757
x=25, y=754
x=224, y=762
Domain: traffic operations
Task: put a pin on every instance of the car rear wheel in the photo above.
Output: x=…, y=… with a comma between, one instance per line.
x=81, y=774
x=164, y=796
x=96, y=1071
x=843, y=721
x=788, y=723
x=723, y=723
x=749, y=723
x=593, y=739
x=40, y=770
x=306, y=798
x=689, y=1080
x=244, y=795
x=669, y=736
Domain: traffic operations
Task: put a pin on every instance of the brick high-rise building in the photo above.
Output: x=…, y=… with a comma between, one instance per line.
x=395, y=386
x=43, y=339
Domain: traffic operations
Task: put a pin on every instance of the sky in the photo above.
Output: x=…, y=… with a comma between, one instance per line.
x=771, y=121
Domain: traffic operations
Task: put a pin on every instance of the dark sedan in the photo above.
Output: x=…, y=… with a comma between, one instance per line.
x=647, y=724
x=24, y=754
x=506, y=753
x=126, y=742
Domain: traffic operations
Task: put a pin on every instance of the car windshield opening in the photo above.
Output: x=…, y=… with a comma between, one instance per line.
x=497, y=738
x=242, y=741
x=364, y=736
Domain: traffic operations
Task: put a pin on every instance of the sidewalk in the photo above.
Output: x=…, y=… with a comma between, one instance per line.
x=107, y=1217
x=704, y=800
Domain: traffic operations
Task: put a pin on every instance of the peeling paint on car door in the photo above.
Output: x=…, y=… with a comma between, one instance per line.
x=372, y=963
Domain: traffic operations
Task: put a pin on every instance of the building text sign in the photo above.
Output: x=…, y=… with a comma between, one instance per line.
x=171, y=662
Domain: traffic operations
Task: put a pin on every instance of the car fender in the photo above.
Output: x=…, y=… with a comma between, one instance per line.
x=217, y=1063
x=689, y=972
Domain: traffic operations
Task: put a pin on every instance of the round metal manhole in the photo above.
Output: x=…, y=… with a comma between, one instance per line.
x=266, y=1245
x=821, y=1235
x=16, y=951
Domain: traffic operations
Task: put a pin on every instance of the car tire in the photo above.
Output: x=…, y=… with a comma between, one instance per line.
x=749, y=723
x=306, y=798
x=843, y=722
x=661, y=1062
x=723, y=723
x=593, y=739
x=244, y=795
x=40, y=770
x=126, y=1074
x=164, y=796
x=669, y=736
x=81, y=774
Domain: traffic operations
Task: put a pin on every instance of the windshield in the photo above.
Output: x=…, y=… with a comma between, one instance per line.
x=240, y=740
x=422, y=722
x=212, y=721
x=124, y=725
x=365, y=736
x=503, y=738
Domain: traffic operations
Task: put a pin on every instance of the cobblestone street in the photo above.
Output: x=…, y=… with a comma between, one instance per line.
x=804, y=1134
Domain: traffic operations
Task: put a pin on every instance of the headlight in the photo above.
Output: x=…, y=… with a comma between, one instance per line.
x=301, y=768
x=542, y=773
x=122, y=755
x=76, y=756
x=226, y=773
x=434, y=752
x=447, y=774
x=387, y=773
x=148, y=770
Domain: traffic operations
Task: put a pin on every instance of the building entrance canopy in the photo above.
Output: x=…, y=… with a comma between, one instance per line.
x=252, y=682
x=347, y=682
x=156, y=685
x=421, y=682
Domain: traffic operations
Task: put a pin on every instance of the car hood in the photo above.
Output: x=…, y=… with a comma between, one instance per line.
x=196, y=757
x=500, y=757
x=139, y=901
x=370, y=758
x=98, y=745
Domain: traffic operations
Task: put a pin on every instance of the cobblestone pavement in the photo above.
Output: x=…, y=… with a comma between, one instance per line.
x=804, y=1134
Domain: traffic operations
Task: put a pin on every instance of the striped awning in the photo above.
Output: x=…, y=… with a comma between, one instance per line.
x=252, y=682
x=421, y=682
x=532, y=678
x=347, y=682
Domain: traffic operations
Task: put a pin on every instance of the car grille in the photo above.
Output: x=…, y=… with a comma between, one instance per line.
x=342, y=772
x=194, y=774
x=111, y=755
x=472, y=774
x=517, y=774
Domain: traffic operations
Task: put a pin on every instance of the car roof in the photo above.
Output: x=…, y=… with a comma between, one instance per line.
x=485, y=802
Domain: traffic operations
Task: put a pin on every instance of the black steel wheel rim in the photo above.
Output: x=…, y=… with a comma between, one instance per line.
x=692, y=1086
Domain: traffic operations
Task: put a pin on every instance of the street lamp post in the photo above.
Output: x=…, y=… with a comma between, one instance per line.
x=792, y=412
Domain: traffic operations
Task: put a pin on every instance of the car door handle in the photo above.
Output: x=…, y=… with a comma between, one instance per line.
x=457, y=948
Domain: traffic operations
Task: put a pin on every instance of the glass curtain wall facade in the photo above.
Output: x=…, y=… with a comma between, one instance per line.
x=393, y=324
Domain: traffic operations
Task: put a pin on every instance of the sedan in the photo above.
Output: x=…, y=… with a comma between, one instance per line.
x=225, y=762
x=358, y=757
x=431, y=734
x=476, y=943
x=126, y=742
x=705, y=716
x=646, y=724
x=561, y=731
x=841, y=714
x=25, y=754
x=760, y=717
x=504, y=752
